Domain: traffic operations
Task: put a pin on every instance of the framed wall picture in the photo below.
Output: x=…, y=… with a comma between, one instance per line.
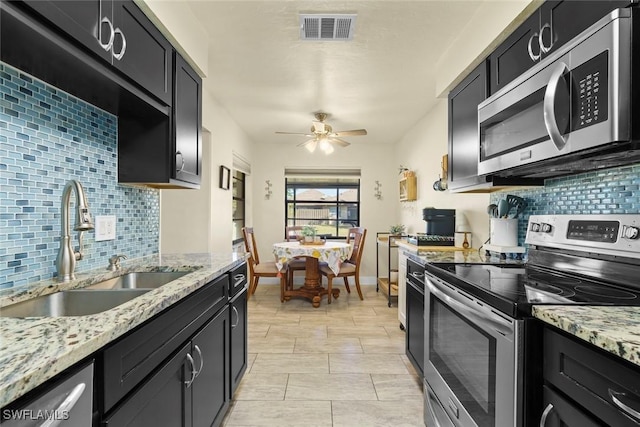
x=225, y=177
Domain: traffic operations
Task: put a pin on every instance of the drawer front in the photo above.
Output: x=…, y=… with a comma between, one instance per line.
x=591, y=378
x=237, y=279
x=133, y=357
x=561, y=412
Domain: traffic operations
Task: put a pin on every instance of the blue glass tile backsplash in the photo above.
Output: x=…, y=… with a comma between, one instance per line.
x=606, y=191
x=48, y=137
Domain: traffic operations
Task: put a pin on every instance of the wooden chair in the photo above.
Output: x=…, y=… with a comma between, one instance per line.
x=293, y=233
x=350, y=267
x=259, y=269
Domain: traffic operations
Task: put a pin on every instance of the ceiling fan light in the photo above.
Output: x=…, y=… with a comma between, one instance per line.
x=328, y=148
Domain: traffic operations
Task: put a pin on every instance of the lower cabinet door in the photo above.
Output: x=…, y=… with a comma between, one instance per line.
x=210, y=389
x=415, y=328
x=164, y=400
x=239, y=353
x=559, y=412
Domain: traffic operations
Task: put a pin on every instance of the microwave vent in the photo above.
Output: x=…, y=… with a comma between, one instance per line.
x=323, y=27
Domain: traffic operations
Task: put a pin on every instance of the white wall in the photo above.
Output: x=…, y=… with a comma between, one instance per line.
x=421, y=150
x=375, y=162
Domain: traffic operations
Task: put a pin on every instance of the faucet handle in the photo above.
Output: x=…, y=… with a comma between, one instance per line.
x=114, y=262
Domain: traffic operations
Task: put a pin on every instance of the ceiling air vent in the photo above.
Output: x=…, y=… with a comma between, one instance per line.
x=327, y=27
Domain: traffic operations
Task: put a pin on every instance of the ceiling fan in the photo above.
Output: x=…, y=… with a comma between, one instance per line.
x=323, y=136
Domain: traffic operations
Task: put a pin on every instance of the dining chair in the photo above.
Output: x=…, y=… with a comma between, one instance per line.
x=292, y=234
x=259, y=269
x=350, y=267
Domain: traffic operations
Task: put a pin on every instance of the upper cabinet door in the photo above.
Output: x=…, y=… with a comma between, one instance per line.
x=140, y=51
x=87, y=21
x=519, y=52
x=187, y=110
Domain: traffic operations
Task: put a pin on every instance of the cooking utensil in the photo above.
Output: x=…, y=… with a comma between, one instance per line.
x=503, y=208
x=517, y=203
x=492, y=210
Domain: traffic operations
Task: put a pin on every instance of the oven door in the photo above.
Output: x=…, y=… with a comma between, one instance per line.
x=472, y=359
x=577, y=99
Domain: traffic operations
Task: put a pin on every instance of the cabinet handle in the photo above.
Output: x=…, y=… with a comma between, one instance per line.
x=109, y=44
x=201, y=361
x=239, y=278
x=65, y=407
x=179, y=153
x=543, y=48
x=533, y=56
x=120, y=54
x=626, y=408
x=235, y=310
x=193, y=371
x=545, y=414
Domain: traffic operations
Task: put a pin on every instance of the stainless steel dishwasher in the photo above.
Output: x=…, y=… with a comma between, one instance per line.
x=67, y=403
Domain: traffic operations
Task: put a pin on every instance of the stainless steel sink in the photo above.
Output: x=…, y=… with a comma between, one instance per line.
x=139, y=280
x=71, y=303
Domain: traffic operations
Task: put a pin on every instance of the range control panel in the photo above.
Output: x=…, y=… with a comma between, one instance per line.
x=605, y=234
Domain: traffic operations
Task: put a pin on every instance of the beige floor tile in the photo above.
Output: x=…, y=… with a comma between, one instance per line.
x=383, y=345
x=291, y=363
x=366, y=364
x=328, y=345
x=379, y=320
x=293, y=331
x=357, y=331
x=251, y=357
x=330, y=387
x=328, y=320
x=377, y=414
x=262, y=387
x=271, y=344
x=280, y=414
x=397, y=387
x=408, y=364
x=353, y=309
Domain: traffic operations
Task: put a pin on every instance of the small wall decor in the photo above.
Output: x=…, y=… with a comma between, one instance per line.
x=267, y=189
x=377, y=190
x=225, y=177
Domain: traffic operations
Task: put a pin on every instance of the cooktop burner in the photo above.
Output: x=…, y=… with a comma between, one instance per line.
x=514, y=288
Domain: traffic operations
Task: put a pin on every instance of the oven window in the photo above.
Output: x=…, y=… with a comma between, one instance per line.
x=517, y=126
x=465, y=356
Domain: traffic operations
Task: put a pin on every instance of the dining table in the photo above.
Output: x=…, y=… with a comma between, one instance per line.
x=333, y=253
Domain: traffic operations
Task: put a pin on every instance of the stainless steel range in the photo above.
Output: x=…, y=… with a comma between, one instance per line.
x=480, y=366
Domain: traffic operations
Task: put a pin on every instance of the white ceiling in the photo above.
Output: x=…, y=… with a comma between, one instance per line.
x=269, y=80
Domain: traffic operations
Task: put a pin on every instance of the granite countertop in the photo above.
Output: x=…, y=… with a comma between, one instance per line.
x=431, y=254
x=33, y=350
x=614, y=329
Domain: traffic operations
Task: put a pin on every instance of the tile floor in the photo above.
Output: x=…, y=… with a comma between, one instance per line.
x=341, y=365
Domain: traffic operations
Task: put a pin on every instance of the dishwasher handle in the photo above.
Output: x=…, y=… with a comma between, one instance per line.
x=61, y=412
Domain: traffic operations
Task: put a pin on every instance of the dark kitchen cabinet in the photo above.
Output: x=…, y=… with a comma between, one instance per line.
x=551, y=26
x=238, y=337
x=585, y=385
x=414, y=342
x=119, y=33
x=163, y=152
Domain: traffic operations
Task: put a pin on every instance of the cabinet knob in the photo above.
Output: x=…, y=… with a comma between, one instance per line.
x=631, y=233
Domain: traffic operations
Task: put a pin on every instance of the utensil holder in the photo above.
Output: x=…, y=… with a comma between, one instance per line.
x=504, y=231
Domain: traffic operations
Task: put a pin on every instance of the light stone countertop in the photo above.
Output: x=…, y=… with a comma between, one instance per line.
x=33, y=350
x=429, y=254
x=614, y=329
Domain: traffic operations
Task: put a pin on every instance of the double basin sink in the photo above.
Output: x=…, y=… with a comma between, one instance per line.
x=94, y=298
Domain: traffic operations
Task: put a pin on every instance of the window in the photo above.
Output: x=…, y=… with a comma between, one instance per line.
x=238, y=186
x=331, y=205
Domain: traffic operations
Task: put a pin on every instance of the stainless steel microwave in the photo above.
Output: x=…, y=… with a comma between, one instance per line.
x=570, y=112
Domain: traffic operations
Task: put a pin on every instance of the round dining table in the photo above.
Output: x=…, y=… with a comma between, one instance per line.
x=332, y=253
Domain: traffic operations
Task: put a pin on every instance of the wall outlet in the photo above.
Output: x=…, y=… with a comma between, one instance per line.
x=105, y=228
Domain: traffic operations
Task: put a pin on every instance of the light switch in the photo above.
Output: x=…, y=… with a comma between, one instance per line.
x=105, y=227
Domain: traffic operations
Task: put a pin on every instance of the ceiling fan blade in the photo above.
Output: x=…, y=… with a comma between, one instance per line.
x=307, y=142
x=295, y=133
x=340, y=142
x=354, y=132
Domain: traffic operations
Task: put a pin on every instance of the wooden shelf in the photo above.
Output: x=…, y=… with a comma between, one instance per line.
x=383, y=283
x=408, y=188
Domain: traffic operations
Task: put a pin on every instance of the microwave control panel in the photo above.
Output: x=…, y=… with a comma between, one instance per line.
x=590, y=92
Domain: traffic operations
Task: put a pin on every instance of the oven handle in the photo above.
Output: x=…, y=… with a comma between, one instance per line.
x=482, y=318
x=550, y=121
